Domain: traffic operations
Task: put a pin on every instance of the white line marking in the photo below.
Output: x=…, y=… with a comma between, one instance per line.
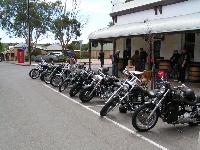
x=116, y=123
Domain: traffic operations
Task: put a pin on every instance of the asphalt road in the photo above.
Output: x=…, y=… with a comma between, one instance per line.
x=36, y=116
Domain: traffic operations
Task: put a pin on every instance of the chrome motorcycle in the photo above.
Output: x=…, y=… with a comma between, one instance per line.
x=177, y=105
x=103, y=85
x=35, y=72
x=131, y=93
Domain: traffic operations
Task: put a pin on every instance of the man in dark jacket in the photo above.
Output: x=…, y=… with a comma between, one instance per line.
x=126, y=57
x=143, y=57
x=101, y=57
x=115, y=61
x=174, y=59
x=183, y=62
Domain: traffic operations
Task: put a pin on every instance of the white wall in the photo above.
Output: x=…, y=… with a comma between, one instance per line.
x=108, y=46
x=121, y=5
x=187, y=7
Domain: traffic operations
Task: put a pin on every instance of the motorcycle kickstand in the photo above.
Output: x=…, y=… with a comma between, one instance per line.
x=177, y=129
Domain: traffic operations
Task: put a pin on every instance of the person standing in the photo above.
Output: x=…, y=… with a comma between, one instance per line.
x=143, y=57
x=183, y=62
x=135, y=61
x=174, y=59
x=126, y=57
x=101, y=57
x=115, y=61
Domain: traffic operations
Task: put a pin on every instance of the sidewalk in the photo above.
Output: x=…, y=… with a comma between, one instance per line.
x=108, y=63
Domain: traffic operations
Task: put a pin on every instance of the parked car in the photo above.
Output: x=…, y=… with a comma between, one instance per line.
x=52, y=56
x=70, y=55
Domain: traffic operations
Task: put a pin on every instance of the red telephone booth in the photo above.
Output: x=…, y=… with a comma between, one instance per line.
x=20, y=56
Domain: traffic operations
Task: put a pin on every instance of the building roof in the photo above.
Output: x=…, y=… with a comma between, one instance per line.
x=55, y=47
x=189, y=22
x=20, y=45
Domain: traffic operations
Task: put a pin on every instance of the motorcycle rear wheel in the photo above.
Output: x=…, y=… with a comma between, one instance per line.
x=108, y=106
x=140, y=115
x=86, y=95
x=74, y=90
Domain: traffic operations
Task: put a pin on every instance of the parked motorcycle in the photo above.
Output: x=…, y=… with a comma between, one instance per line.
x=47, y=70
x=35, y=73
x=128, y=96
x=58, y=78
x=103, y=85
x=176, y=105
x=55, y=69
x=81, y=79
x=72, y=77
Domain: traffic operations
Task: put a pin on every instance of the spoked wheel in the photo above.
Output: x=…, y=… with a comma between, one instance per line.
x=139, y=118
x=34, y=73
x=109, y=106
x=74, y=90
x=47, y=78
x=42, y=75
x=86, y=95
x=64, y=85
x=56, y=81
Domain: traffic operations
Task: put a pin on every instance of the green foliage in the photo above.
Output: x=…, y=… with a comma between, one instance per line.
x=2, y=47
x=81, y=55
x=36, y=51
x=14, y=17
x=110, y=24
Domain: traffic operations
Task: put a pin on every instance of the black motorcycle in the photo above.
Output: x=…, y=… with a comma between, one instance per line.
x=47, y=70
x=72, y=77
x=176, y=105
x=81, y=79
x=130, y=94
x=103, y=85
x=35, y=72
x=59, y=77
x=55, y=69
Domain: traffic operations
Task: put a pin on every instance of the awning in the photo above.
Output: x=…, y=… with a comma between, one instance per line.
x=167, y=25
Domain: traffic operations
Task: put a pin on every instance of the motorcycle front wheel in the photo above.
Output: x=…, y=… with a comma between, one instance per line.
x=34, y=73
x=42, y=75
x=139, y=118
x=74, y=90
x=110, y=105
x=47, y=78
x=63, y=85
x=56, y=81
x=86, y=95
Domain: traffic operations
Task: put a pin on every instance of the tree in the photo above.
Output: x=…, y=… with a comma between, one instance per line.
x=110, y=24
x=68, y=25
x=14, y=20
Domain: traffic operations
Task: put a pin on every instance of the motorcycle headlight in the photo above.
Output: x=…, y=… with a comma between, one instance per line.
x=126, y=87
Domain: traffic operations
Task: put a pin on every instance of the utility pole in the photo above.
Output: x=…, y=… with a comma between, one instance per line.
x=80, y=42
x=29, y=38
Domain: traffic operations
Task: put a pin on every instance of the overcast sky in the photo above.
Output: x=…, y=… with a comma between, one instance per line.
x=97, y=12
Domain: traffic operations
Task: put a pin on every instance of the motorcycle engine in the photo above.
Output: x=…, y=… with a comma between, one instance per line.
x=186, y=118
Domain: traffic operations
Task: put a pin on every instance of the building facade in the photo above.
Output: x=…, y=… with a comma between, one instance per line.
x=173, y=24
